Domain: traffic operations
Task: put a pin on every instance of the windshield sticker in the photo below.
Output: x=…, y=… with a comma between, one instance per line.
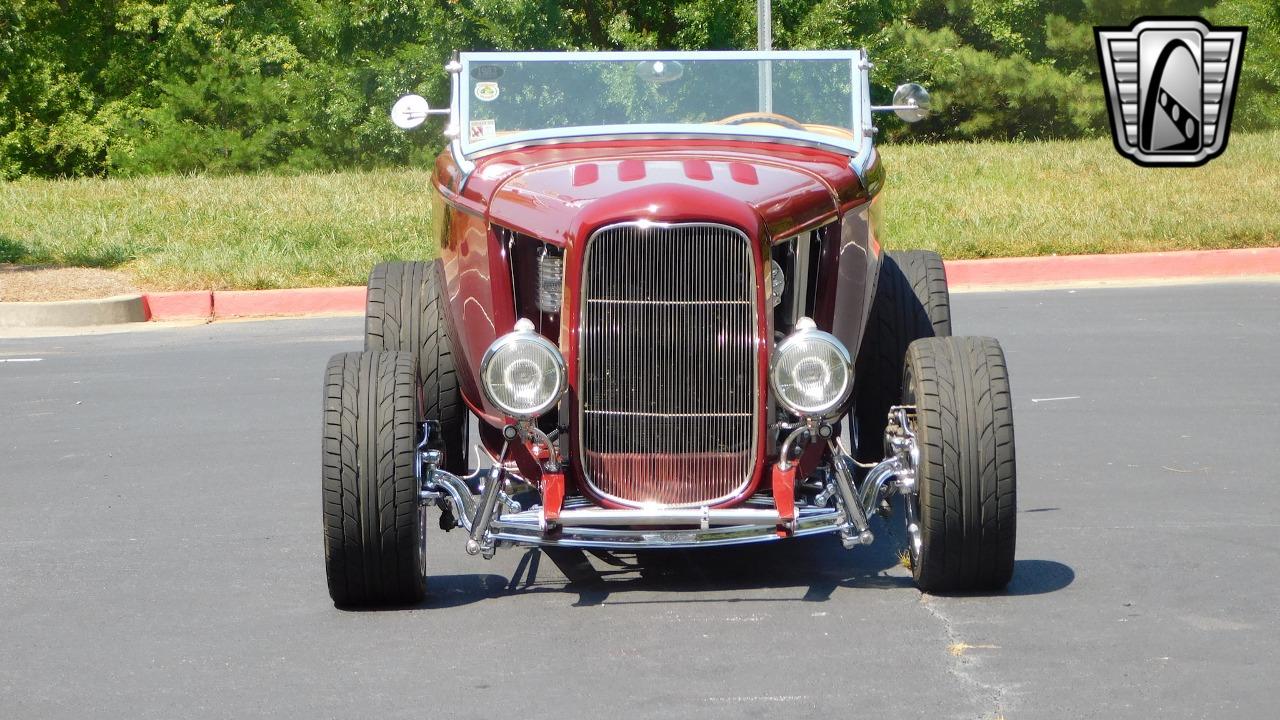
x=486, y=91
x=482, y=130
x=486, y=72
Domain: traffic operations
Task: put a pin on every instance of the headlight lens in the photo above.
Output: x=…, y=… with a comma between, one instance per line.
x=812, y=373
x=523, y=373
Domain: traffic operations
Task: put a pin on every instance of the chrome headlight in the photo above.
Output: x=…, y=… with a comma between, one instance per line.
x=523, y=373
x=811, y=371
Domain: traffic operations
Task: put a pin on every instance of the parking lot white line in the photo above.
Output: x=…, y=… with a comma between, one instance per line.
x=1064, y=397
x=4, y=360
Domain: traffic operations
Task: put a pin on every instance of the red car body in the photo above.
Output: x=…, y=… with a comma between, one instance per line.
x=561, y=194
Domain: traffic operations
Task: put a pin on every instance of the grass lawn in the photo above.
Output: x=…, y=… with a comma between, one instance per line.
x=965, y=200
x=1077, y=197
x=247, y=232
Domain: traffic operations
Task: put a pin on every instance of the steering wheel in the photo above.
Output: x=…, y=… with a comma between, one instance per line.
x=764, y=117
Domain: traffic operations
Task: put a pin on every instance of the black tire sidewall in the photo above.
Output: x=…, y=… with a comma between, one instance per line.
x=372, y=512
x=910, y=302
x=966, y=480
x=415, y=322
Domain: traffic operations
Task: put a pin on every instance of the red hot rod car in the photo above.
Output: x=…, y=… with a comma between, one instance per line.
x=661, y=317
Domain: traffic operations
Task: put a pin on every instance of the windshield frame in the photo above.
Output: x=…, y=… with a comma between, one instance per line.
x=860, y=107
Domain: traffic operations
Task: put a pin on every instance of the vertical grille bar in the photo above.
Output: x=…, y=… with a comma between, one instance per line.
x=668, y=389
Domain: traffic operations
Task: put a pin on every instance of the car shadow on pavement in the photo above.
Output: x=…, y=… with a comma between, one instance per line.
x=1037, y=577
x=814, y=567
x=1030, y=577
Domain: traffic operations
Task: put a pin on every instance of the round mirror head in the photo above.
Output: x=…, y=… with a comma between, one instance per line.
x=915, y=96
x=410, y=111
x=659, y=71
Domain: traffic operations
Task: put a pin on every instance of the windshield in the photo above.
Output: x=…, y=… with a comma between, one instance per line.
x=508, y=98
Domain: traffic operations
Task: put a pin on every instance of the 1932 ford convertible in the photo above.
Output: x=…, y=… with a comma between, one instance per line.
x=662, y=318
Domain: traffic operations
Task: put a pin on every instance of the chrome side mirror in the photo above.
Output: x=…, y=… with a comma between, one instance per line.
x=911, y=103
x=411, y=111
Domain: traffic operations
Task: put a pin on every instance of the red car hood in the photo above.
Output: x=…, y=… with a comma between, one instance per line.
x=556, y=193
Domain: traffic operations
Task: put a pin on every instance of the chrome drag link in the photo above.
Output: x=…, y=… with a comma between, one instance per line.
x=441, y=485
x=900, y=466
x=437, y=485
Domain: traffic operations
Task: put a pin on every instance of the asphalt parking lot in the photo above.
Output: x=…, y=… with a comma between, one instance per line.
x=160, y=549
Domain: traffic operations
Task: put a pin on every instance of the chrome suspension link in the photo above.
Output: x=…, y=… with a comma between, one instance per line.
x=899, y=467
x=454, y=495
x=906, y=451
x=426, y=462
x=847, y=495
x=903, y=446
x=486, y=509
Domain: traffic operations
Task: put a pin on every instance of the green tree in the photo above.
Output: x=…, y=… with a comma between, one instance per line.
x=1258, y=95
x=89, y=87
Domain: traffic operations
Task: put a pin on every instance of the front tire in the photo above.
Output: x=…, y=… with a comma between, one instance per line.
x=911, y=302
x=965, y=499
x=404, y=312
x=374, y=534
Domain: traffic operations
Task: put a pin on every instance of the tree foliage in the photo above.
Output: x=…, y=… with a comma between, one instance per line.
x=91, y=87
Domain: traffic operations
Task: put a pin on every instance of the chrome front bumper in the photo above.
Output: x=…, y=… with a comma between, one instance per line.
x=591, y=527
x=584, y=525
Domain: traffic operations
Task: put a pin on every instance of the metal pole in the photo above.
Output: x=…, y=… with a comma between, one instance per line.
x=764, y=41
x=764, y=24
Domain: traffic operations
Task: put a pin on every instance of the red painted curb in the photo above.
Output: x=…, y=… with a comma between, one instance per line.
x=178, y=305
x=304, y=301
x=961, y=275
x=1188, y=264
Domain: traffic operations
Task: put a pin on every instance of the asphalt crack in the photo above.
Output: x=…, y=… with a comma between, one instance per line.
x=964, y=666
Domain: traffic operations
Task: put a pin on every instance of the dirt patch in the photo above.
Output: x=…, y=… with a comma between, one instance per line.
x=40, y=283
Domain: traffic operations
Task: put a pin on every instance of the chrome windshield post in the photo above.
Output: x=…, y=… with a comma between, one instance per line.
x=453, y=131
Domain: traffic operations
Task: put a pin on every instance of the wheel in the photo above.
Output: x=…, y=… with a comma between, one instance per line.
x=965, y=500
x=374, y=529
x=404, y=312
x=911, y=302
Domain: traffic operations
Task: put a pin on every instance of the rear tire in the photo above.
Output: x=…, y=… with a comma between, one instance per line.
x=911, y=302
x=966, y=483
x=404, y=312
x=374, y=535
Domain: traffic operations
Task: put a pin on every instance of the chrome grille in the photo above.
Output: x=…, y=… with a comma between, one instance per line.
x=668, y=365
